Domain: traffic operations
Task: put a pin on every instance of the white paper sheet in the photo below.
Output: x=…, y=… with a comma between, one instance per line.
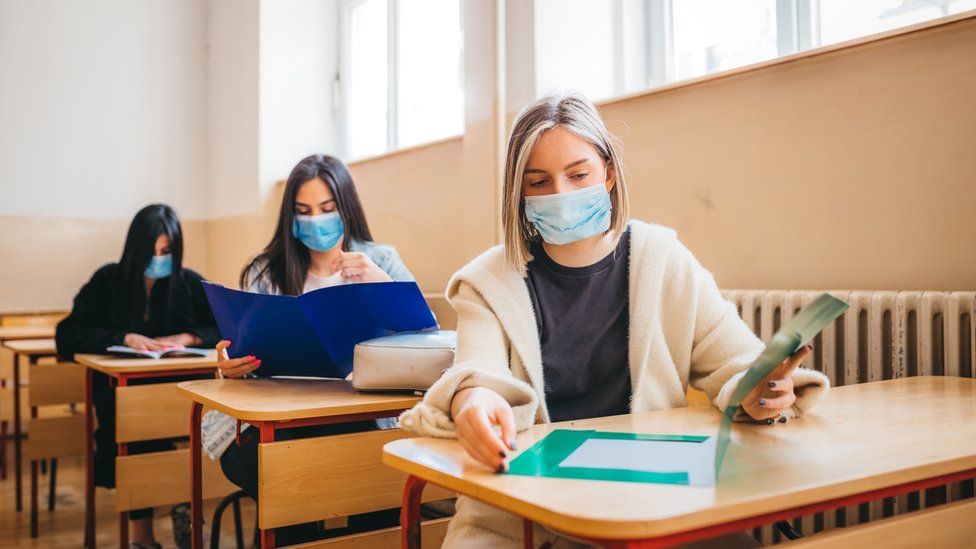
x=656, y=456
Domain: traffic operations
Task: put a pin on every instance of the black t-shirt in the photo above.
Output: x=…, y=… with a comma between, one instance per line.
x=582, y=315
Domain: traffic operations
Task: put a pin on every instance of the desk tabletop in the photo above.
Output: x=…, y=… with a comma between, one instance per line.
x=278, y=399
x=10, y=333
x=860, y=438
x=114, y=365
x=43, y=347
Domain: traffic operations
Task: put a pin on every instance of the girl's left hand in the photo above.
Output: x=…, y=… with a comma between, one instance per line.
x=357, y=267
x=775, y=392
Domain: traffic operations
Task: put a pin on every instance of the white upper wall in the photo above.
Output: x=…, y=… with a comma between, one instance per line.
x=103, y=107
x=298, y=64
x=233, y=30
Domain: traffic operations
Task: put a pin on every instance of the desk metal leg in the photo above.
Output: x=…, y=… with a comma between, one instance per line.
x=89, y=464
x=3, y=435
x=18, y=481
x=196, y=477
x=34, y=486
x=33, y=509
x=527, y=541
x=410, y=512
x=53, y=479
x=123, y=450
x=267, y=429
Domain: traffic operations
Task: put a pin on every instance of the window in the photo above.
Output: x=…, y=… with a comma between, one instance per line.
x=605, y=48
x=716, y=35
x=401, y=73
x=842, y=20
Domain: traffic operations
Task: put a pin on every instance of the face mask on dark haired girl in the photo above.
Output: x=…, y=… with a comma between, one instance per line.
x=160, y=266
x=318, y=232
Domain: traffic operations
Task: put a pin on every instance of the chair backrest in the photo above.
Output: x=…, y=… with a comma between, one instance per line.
x=59, y=384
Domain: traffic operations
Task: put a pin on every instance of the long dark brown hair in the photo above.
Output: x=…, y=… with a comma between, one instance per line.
x=285, y=259
x=128, y=279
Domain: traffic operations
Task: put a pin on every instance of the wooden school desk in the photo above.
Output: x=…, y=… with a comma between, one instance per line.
x=156, y=416
x=862, y=443
x=291, y=488
x=32, y=350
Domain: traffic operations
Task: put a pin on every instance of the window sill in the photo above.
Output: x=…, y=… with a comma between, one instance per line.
x=405, y=150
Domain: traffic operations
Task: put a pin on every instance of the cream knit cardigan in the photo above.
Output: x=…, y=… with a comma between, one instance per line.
x=682, y=331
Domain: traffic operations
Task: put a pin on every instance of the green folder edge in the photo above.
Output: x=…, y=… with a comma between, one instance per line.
x=543, y=458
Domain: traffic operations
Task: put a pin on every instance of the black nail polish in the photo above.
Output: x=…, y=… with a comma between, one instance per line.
x=762, y=402
x=501, y=454
x=500, y=470
x=782, y=419
x=770, y=421
x=771, y=384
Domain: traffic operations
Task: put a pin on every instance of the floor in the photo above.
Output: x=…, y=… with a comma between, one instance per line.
x=64, y=527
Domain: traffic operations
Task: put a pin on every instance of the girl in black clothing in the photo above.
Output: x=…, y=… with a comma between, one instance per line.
x=146, y=301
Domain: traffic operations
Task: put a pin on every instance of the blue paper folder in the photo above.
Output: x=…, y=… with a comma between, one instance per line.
x=315, y=334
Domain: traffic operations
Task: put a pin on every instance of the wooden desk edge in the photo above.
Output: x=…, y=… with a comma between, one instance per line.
x=609, y=529
x=246, y=415
x=52, y=349
x=89, y=361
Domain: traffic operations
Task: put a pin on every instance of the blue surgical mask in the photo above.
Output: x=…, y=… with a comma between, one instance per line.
x=567, y=217
x=160, y=266
x=318, y=232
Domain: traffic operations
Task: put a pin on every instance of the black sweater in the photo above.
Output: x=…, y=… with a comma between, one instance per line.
x=91, y=327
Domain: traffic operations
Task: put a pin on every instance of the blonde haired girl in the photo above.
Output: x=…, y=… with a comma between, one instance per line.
x=583, y=313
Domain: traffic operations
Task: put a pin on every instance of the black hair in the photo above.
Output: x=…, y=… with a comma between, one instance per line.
x=129, y=283
x=285, y=259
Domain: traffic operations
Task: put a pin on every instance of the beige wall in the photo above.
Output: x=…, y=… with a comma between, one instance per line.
x=415, y=200
x=44, y=261
x=851, y=169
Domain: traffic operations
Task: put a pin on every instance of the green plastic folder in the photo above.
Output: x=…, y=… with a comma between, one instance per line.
x=669, y=459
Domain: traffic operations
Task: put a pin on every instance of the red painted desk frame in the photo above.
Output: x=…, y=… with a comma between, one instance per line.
x=267, y=430
x=412, y=491
x=120, y=380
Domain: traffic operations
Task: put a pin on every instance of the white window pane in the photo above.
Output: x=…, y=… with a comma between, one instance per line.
x=429, y=94
x=716, y=35
x=842, y=20
x=574, y=42
x=368, y=67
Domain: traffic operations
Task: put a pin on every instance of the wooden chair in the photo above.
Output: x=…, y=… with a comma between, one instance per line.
x=54, y=436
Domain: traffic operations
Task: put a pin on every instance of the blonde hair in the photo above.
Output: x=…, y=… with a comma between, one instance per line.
x=578, y=115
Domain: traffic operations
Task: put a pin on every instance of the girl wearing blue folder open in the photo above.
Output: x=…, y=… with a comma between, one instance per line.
x=322, y=239
x=583, y=313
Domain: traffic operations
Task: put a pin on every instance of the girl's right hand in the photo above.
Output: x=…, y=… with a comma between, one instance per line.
x=234, y=367
x=475, y=411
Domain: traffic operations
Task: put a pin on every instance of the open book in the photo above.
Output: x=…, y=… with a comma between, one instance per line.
x=670, y=459
x=183, y=352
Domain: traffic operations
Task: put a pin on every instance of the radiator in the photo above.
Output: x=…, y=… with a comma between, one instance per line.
x=884, y=335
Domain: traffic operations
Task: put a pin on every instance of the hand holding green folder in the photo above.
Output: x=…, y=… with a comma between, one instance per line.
x=670, y=459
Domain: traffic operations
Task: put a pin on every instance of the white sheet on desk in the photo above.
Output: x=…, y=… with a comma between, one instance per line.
x=655, y=456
